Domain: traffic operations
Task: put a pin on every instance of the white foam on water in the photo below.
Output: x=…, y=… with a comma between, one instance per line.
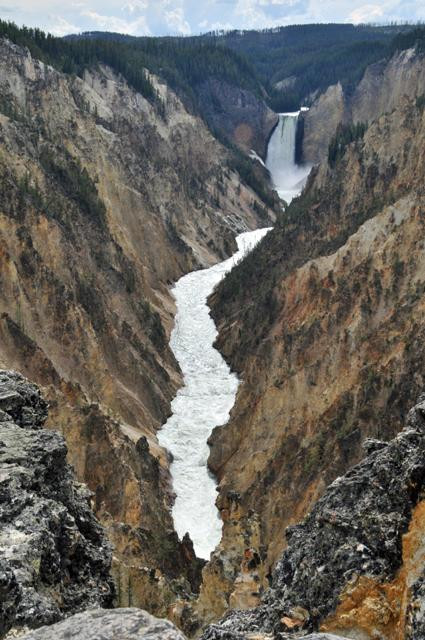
x=204, y=401
x=209, y=389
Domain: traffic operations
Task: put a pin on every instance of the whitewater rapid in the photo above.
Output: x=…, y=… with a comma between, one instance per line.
x=203, y=403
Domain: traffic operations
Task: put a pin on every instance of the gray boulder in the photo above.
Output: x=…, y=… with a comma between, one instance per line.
x=117, y=624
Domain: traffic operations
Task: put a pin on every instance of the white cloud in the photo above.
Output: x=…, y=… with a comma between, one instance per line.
x=61, y=27
x=177, y=23
x=366, y=13
x=215, y=26
x=135, y=6
x=114, y=23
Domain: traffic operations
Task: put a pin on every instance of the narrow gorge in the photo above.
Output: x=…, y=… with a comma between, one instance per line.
x=212, y=278
x=209, y=391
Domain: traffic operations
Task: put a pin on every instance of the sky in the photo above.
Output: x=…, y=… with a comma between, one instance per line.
x=186, y=17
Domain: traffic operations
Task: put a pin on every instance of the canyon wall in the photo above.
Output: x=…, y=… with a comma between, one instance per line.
x=329, y=348
x=380, y=90
x=105, y=201
x=238, y=114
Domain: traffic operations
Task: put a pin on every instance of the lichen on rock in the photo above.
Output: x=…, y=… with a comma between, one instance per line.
x=125, y=624
x=54, y=555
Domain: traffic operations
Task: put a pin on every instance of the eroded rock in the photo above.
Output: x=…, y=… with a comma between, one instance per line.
x=21, y=401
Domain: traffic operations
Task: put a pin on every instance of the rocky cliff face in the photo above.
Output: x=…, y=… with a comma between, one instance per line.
x=54, y=556
x=104, y=203
x=320, y=123
x=356, y=565
x=382, y=87
x=330, y=347
x=238, y=114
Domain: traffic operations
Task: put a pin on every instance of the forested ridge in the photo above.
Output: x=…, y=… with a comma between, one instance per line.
x=309, y=58
x=183, y=63
x=286, y=66
x=303, y=58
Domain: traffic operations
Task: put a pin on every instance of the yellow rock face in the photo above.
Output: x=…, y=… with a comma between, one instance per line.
x=370, y=609
x=104, y=204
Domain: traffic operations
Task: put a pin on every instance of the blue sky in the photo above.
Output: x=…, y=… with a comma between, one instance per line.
x=159, y=17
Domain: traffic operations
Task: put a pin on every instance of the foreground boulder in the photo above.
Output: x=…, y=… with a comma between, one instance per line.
x=118, y=624
x=356, y=564
x=54, y=556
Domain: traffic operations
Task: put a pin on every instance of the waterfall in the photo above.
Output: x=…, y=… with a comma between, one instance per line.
x=288, y=177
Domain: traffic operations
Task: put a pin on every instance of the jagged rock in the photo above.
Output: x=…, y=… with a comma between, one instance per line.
x=125, y=624
x=9, y=597
x=54, y=555
x=21, y=401
x=354, y=530
x=415, y=617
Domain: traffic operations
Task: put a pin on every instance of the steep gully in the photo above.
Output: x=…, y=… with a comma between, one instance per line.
x=209, y=390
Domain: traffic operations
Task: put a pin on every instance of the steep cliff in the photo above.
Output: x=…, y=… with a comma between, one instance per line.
x=106, y=200
x=330, y=347
x=54, y=556
x=380, y=90
x=356, y=565
x=237, y=114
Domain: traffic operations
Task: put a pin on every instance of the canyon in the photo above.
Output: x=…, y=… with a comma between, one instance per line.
x=104, y=203
x=120, y=218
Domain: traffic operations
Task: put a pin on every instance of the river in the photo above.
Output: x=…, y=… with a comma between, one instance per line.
x=209, y=391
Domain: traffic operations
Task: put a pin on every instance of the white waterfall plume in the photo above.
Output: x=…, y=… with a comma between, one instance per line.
x=288, y=177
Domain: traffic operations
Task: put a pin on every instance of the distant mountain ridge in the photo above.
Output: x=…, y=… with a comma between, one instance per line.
x=305, y=58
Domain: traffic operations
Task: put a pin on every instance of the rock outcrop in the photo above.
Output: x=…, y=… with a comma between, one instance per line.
x=320, y=123
x=330, y=349
x=55, y=558
x=351, y=567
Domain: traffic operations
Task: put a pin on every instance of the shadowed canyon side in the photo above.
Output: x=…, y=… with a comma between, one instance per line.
x=331, y=347
x=104, y=202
